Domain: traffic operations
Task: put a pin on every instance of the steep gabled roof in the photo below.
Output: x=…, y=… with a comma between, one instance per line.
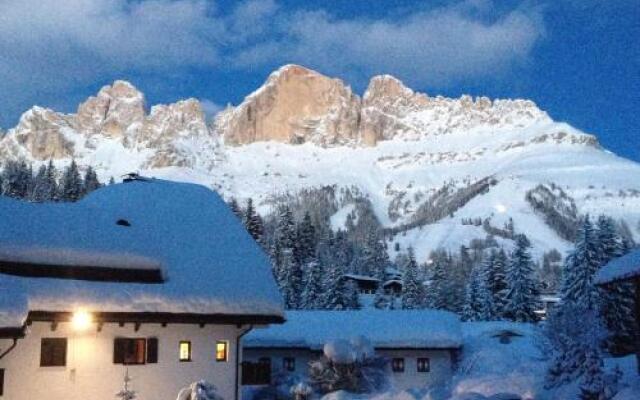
x=147, y=246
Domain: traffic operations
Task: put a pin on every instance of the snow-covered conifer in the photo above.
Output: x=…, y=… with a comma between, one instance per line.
x=252, y=221
x=313, y=288
x=91, y=181
x=71, y=183
x=580, y=267
x=522, y=288
x=413, y=291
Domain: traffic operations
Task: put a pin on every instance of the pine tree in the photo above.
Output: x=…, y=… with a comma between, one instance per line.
x=283, y=242
x=71, y=184
x=493, y=275
x=438, y=296
x=16, y=179
x=91, y=181
x=335, y=288
x=305, y=247
x=478, y=302
x=252, y=221
x=413, y=292
x=112, y=181
x=291, y=281
x=374, y=255
x=522, y=290
x=313, y=288
x=235, y=207
x=381, y=299
x=580, y=267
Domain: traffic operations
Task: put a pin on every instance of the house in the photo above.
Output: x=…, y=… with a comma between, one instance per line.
x=150, y=277
x=624, y=269
x=365, y=284
x=421, y=346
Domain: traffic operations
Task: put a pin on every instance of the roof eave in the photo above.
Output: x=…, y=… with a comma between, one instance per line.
x=161, y=318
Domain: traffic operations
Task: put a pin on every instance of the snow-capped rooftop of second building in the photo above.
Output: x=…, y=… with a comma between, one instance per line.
x=385, y=329
x=625, y=267
x=206, y=262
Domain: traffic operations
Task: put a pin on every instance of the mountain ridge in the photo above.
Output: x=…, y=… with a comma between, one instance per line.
x=413, y=156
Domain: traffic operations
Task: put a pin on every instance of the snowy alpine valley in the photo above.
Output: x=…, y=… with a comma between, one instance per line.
x=312, y=242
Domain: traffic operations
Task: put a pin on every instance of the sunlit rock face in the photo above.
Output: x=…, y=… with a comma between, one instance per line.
x=115, y=115
x=115, y=111
x=295, y=105
x=40, y=134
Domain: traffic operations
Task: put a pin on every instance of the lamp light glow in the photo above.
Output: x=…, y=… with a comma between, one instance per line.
x=81, y=320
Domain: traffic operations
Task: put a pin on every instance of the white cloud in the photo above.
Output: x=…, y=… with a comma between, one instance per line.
x=438, y=46
x=49, y=47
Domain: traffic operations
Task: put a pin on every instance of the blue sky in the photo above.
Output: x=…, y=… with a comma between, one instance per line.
x=577, y=59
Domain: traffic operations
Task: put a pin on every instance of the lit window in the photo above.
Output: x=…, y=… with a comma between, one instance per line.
x=424, y=365
x=221, y=351
x=397, y=365
x=289, y=364
x=185, y=351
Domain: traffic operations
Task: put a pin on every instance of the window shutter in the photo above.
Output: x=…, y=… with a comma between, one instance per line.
x=118, y=350
x=152, y=350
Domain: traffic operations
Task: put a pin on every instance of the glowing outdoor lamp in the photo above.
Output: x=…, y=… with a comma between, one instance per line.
x=81, y=320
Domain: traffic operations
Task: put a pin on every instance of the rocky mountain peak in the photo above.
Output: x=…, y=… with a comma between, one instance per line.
x=295, y=105
x=113, y=111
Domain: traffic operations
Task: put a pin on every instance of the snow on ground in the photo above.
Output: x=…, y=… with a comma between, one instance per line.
x=209, y=262
x=339, y=219
x=496, y=371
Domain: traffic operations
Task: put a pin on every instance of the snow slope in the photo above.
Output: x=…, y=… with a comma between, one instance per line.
x=423, y=144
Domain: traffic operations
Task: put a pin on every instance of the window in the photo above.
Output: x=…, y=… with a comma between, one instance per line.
x=257, y=373
x=135, y=351
x=424, y=365
x=289, y=364
x=185, y=351
x=222, y=351
x=1, y=381
x=53, y=352
x=397, y=365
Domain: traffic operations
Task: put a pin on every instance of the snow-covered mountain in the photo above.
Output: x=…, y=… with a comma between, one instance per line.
x=436, y=171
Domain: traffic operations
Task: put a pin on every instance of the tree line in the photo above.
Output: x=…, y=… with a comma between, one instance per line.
x=19, y=180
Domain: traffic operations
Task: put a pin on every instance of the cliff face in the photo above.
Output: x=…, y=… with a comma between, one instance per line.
x=297, y=105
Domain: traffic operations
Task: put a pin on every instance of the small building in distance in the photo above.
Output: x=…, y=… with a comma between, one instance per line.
x=624, y=269
x=152, y=277
x=421, y=346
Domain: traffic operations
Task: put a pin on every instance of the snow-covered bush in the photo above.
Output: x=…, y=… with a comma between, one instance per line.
x=200, y=390
x=301, y=391
x=126, y=393
x=350, y=366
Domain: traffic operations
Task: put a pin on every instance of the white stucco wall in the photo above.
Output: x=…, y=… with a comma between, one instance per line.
x=440, y=360
x=91, y=374
x=441, y=368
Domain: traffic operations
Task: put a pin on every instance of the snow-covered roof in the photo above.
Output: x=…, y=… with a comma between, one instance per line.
x=384, y=328
x=357, y=277
x=622, y=268
x=207, y=263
